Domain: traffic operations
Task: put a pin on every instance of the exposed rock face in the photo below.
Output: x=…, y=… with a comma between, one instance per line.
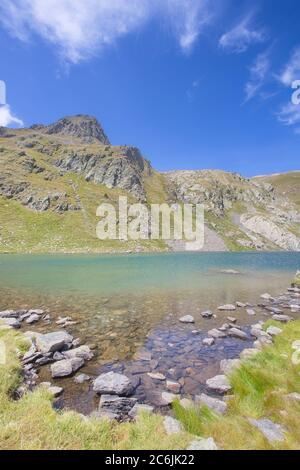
x=81, y=126
x=269, y=230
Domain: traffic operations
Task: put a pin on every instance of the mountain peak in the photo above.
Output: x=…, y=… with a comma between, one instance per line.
x=82, y=126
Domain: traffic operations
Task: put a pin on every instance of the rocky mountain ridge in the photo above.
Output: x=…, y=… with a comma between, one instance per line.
x=69, y=167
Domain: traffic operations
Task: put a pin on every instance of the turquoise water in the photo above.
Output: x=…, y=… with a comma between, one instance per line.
x=119, y=299
x=133, y=274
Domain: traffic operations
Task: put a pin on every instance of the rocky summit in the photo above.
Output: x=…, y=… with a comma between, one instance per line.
x=53, y=177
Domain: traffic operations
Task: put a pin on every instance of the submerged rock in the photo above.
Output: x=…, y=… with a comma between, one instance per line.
x=227, y=307
x=82, y=351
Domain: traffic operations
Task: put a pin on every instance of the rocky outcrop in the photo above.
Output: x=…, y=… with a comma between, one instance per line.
x=81, y=126
x=262, y=225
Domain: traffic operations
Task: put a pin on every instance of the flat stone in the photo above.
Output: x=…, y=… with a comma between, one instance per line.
x=36, y=311
x=172, y=426
x=232, y=319
x=219, y=384
x=51, y=342
x=11, y=322
x=172, y=386
x=227, y=307
x=156, y=375
x=272, y=431
x=9, y=314
x=282, y=318
x=274, y=330
x=113, y=383
x=203, y=444
x=83, y=352
x=140, y=408
x=208, y=341
x=32, y=318
x=241, y=304
x=116, y=404
x=81, y=378
x=187, y=319
x=237, y=333
x=214, y=333
x=214, y=404
x=228, y=365
x=207, y=314
x=251, y=311
x=66, y=367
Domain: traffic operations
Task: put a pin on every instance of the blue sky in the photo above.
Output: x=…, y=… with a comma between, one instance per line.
x=193, y=83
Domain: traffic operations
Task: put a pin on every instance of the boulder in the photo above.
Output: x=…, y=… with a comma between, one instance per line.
x=32, y=318
x=52, y=342
x=66, y=367
x=214, y=404
x=219, y=384
x=82, y=351
x=113, y=383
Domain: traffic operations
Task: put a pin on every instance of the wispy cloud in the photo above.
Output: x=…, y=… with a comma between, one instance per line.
x=191, y=91
x=258, y=74
x=291, y=70
x=289, y=115
x=7, y=118
x=81, y=29
x=242, y=36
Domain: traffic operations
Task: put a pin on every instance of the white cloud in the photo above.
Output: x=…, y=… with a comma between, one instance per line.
x=80, y=29
x=7, y=118
x=258, y=73
x=242, y=36
x=291, y=71
x=289, y=114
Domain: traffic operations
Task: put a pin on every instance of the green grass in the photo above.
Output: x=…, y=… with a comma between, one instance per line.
x=32, y=423
x=259, y=389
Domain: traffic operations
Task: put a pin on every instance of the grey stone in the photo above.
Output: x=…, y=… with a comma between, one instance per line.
x=11, y=322
x=66, y=367
x=219, y=384
x=82, y=351
x=187, y=319
x=248, y=353
x=274, y=330
x=207, y=314
x=172, y=386
x=52, y=342
x=282, y=318
x=227, y=307
x=203, y=444
x=251, y=311
x=156, y=375
x=33, y=318
x=168, y=398
x=172, y=426
x=214, y=333
x=140, y=408
x=81, y=378
x=214, y=404
x=272, y=431
x=208, y=341
x=113, y=383
x=237, y=333
x=228, y=365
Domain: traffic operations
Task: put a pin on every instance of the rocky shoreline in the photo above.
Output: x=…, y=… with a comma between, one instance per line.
x=121, y=387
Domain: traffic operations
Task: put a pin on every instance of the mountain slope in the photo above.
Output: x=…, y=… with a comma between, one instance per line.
x=52, y=179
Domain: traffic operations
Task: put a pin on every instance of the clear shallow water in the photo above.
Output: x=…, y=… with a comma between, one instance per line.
x=127, y=302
